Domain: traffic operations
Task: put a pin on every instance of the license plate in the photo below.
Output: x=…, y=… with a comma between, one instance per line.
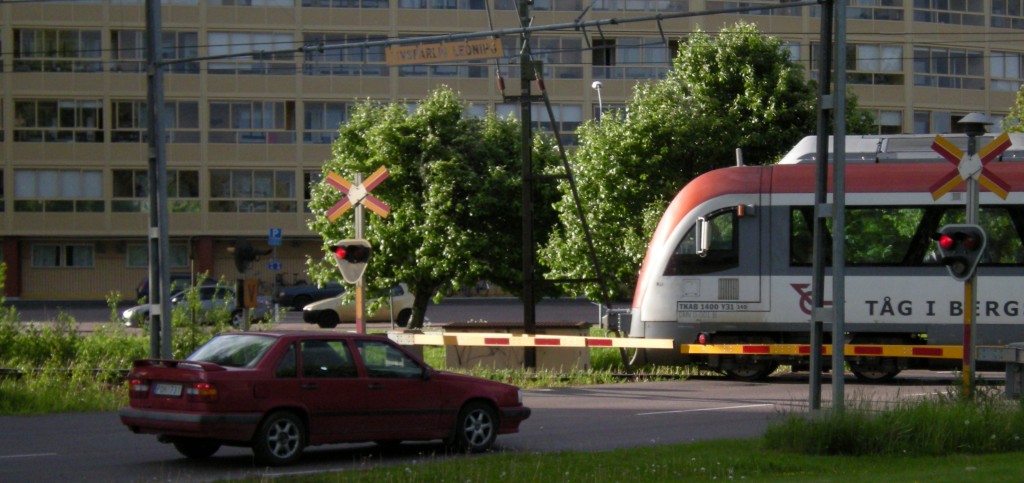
x=167, y=390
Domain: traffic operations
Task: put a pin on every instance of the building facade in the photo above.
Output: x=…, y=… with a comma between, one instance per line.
x=247, y=135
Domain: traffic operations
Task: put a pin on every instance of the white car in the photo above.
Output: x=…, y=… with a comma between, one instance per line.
x=330, y=312
x=211, y=297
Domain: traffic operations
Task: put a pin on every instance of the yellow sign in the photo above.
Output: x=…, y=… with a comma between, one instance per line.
x=444, y=52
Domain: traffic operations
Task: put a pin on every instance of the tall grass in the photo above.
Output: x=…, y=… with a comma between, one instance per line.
x=926, y=427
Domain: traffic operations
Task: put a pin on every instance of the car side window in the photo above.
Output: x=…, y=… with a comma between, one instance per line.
x=286, y=368
x=321, y=358
x=384, y=360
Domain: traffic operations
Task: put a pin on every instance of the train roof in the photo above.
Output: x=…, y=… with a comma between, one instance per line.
x=898, y=148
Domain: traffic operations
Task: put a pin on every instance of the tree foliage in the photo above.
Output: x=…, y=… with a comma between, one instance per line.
x=1014, y=121
x=736, y=90
x=454, y=190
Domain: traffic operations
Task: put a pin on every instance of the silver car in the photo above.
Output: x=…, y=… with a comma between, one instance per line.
x=211, y=298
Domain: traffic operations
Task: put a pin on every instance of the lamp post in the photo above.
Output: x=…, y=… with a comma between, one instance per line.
x=600, y=105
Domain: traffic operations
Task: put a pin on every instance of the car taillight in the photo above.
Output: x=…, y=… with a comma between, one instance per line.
x=202, y=392
x=138, y=388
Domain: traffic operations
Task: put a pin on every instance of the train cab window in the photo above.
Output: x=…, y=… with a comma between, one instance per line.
x=722, y=247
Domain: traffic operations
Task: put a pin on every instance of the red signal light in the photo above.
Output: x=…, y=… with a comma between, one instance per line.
x=340, y=252
x=970, y=242
x=946, y=242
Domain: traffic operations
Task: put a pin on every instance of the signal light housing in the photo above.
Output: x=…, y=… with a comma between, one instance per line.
x=961, y=247
x=351, y=256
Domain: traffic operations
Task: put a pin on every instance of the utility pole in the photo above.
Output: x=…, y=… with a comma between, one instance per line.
x=159, y=253
x=527, y=74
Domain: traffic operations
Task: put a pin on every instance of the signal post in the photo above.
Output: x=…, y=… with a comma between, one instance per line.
x=962, y=245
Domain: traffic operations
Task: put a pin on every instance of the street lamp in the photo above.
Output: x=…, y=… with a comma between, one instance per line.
x=600, y=105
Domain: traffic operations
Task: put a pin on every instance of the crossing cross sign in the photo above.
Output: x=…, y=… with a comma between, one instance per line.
x=358, y=194
x=968, y=167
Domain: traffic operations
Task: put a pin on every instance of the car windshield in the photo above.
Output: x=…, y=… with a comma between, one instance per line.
x=233, y=350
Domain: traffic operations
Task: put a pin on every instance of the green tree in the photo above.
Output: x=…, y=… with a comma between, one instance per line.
x=736, y=90
x=454, y=190
x=1014, y=121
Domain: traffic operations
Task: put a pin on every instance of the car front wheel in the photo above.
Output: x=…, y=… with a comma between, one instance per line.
x=327, y=320
x=280, y=439
x=476, y=428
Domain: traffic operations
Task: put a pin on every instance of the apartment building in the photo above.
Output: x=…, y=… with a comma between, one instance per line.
x=247, y=135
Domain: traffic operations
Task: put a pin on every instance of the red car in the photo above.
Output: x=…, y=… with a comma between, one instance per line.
x=279, y=392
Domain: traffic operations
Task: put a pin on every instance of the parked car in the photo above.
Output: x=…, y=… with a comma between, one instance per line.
x=333, y=311
x=179, y=281
x=298, y=296
x=279, y=392
x=211, y=298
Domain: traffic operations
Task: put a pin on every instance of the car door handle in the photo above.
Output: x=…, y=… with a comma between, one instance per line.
x=310, y=386
x=375, y=386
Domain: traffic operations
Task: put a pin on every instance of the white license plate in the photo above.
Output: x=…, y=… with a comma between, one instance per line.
x=167, y=390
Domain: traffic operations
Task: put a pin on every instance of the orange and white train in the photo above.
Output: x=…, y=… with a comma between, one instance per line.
x=748, y=282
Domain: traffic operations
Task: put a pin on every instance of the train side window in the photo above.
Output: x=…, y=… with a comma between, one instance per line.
x=723, y=247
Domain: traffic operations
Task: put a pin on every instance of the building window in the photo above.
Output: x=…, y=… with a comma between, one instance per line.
x=929, y=122
x=52, y=255
x=871, y=64
x=630, y=58
x=129, y=51
x=264, y=48
x=310, y=178
x=79, y=121
x=321, y=121
x=1008, y=14
x=249, y=122
x=52, y=50
x=889, y=122
x=137, y=255
x=445, y=4
x=567, y=118
x=252, y=191
x=875, y=10
x=957, y=12
x=181, y=121
x=634, y=5
x=1007, y=71
x=789, y=12
x=51, y=190
x=346, y=3
x=131, y=191
x=950, y=68
x=360, y=61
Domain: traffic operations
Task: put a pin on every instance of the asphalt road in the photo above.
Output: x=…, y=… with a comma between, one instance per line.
x=96, y=447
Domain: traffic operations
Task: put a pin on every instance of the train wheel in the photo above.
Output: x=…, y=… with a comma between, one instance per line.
x=875, y=375
x=752, y=372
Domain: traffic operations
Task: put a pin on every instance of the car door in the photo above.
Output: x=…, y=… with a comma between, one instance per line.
x=332, y=391
x=400, y=400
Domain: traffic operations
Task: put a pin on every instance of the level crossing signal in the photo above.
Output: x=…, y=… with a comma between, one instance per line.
x=351, y=256
x=961, y=247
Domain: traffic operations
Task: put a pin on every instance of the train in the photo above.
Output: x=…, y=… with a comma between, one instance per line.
x=730, y=261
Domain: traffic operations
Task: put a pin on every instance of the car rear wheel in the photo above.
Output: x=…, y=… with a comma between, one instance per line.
x=196, y=448
x=476, y=428
x=280, y=439
x=328, y=319
x=403, y=318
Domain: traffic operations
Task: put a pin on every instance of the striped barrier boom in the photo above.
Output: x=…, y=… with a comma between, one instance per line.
x=866, y=350
x=477, y=339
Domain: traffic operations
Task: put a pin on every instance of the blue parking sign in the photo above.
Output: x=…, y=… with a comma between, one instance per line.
x=274, y=237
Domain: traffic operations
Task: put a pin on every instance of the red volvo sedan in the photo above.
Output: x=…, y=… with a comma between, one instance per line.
x=278, y=392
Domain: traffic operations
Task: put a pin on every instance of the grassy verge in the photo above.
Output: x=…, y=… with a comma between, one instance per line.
x=731, y=460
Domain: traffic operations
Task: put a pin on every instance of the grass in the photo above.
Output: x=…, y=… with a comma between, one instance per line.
x=729, y=460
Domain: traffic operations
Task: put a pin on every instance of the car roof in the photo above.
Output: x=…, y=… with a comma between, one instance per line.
x=307, y=334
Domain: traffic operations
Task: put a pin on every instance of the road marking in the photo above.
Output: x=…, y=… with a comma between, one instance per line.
x=30, y=455
x=746, y=406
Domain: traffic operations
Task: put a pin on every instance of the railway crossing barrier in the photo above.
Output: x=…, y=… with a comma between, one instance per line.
x=1013, y=356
